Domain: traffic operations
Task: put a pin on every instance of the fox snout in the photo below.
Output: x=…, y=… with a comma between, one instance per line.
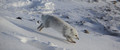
x=77, y=38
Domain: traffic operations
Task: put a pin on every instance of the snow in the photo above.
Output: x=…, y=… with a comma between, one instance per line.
x=21, y=4
x=101, y=19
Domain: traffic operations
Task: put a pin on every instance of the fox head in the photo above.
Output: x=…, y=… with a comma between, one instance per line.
x=74, y=33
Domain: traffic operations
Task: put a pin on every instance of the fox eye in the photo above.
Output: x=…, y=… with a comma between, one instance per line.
x=75, y=35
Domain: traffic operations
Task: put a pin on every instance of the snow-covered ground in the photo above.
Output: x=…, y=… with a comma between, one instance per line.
x=100, y=18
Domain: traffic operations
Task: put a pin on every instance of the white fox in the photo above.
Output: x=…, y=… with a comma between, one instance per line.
x=59, y=25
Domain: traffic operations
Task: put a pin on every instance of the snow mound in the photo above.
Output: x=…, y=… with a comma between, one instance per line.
x=41, y=6
x=8, y=29
x=21, y=3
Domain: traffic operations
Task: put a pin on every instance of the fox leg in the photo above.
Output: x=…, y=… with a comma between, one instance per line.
x=40, y=27
x=69, y=39
x=72, y=40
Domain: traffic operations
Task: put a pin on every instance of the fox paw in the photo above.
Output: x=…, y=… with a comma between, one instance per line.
x=71, y=41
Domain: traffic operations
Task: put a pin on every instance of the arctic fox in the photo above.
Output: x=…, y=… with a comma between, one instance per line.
x=59, y=25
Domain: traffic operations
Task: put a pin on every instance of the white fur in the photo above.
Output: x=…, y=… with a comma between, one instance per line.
x=59, y=25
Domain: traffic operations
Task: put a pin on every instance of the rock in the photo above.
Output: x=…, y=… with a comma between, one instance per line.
x=31, y=19
x=38, y=21
x=114, y=2
x=86, y=31
x=65, y=16
x=19, y=18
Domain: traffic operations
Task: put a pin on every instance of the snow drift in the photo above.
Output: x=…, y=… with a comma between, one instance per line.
x=99, y=17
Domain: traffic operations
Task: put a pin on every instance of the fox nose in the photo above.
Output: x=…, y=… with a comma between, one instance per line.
x=77, y=38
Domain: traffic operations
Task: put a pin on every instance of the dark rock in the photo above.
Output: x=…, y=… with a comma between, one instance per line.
x=19, y=18
x=114, y=2
x=31, y=19
x=65, y=16
x=38, y=21
x=105, y=20
x=86, y=31
x=108, y=9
